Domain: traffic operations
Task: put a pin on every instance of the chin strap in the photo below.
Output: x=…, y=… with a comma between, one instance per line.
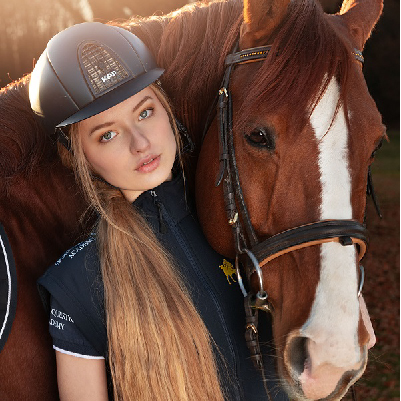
x=61, y=136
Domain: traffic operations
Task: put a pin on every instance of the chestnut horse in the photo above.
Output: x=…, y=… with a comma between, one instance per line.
x=292, y=148
x=40, y=204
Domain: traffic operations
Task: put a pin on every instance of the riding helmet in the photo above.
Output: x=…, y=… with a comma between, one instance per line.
x=86, y=69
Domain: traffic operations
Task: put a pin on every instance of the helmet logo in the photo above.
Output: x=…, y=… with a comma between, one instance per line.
x=108, y=76
x=102, y=68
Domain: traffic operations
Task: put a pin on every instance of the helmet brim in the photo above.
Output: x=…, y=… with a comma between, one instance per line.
x=114, y=97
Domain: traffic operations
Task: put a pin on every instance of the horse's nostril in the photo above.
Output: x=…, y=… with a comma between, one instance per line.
x=298, y=354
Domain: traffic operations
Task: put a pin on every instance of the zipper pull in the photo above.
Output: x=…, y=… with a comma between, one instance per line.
x=162, y=224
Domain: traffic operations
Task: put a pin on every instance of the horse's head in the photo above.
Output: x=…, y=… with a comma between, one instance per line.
x=304, y=131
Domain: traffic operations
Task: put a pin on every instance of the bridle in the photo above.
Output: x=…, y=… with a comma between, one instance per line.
x=258, y=253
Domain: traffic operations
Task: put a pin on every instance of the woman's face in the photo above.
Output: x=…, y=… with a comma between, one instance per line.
x=131, y=145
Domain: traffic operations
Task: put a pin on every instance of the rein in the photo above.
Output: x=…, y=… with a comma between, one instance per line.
x=345, y=232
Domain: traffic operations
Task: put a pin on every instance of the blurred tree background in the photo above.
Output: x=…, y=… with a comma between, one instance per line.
x=27, y=25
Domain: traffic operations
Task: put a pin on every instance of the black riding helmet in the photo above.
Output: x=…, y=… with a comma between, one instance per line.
x=86, y=69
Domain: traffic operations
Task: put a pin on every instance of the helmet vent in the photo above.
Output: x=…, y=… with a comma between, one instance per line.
x=102, y=68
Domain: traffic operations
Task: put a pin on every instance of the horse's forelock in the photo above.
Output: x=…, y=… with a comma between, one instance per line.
x=305, y=55
x=23, y=140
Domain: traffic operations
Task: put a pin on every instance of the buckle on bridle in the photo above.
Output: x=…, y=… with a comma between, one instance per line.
x=223, y=90
x=260, y=299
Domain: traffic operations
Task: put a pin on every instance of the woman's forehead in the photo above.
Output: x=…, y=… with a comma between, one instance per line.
x=108, y=116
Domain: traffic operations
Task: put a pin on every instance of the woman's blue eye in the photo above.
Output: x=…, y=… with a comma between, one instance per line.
x=145, y=113
x=108, y=136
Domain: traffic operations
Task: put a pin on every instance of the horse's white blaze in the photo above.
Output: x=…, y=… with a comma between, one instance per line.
x=333, y=323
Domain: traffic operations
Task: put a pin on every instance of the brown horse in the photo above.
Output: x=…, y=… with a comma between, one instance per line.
x=39, y=209
x=40, y=204
x=304, y=131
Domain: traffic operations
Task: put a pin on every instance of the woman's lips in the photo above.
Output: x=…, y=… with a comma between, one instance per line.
x=148, y=164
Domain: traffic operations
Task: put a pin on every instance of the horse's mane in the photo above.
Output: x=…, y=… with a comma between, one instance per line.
x=305, y=55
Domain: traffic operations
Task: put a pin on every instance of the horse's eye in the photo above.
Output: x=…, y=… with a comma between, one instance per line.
x=261, y=138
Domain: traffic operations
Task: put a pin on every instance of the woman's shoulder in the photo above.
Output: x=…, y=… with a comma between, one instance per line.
x=79, y=261
x=78, y=251
x=74, y=282
x=75, y=279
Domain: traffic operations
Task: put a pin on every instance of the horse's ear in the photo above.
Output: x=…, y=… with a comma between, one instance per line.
x=361, y=17
x=261, y=18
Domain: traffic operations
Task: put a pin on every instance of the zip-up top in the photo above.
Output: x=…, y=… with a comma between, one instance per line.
x=73, y=284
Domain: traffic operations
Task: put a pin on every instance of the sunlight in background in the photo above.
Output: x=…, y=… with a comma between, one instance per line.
x=86, y=10
x=27, y=25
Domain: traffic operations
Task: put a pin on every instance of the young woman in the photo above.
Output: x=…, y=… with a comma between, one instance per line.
x=141, y=309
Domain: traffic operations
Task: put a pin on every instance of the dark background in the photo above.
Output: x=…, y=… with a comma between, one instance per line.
x=27, y=25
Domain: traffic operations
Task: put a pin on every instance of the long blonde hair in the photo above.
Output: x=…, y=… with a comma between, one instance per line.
x=159, y=347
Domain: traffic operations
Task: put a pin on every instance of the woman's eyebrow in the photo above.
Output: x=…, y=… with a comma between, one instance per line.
x=141, y=103
x=97, y=127
x=107, y=124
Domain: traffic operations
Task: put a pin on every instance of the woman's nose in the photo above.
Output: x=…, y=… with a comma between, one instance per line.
x=139, y=141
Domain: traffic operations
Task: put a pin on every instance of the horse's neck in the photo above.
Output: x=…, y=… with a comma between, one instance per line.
x=40, y=212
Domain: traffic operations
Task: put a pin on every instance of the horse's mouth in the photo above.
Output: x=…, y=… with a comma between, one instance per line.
x=293, y=384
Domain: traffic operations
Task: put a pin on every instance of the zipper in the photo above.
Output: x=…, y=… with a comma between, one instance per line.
x=162, y=224
x=169, y=222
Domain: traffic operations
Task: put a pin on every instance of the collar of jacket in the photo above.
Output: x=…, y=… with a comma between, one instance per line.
x=170, y=194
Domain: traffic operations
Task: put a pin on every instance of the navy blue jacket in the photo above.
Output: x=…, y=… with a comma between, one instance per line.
x=74, y=283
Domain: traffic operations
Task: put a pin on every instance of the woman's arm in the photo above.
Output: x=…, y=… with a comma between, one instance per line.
x=81, y=379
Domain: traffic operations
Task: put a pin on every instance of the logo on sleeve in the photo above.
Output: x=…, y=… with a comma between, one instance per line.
x=55, y=318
